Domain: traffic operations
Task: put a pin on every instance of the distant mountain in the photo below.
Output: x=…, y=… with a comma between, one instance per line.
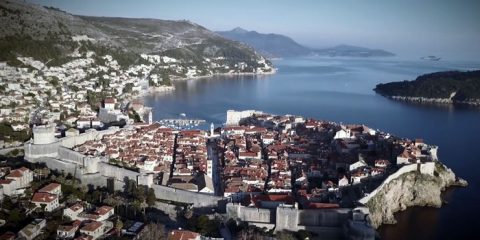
x=272, y=45
x=51, y=35
x=454, y=86
x=276, y=45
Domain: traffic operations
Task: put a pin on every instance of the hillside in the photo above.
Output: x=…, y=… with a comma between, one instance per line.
x=51, y=35
x=272, y=45
x=276, y=45
x=455, y=85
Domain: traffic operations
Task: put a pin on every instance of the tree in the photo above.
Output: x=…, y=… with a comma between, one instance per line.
x=151, y=198
x=119, y=226
x=127, y=88
x=153, y=231
x=15, y=216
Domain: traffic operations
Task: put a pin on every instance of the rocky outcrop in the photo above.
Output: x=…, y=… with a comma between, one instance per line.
x=474, y=102
x=410, y=189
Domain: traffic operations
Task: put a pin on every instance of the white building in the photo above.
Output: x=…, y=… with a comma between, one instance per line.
x=52, y=188
x=94, y=229
x=234, y=117
x=23, y=177
x=50, y=201
x=73, y=211
x=33, y=229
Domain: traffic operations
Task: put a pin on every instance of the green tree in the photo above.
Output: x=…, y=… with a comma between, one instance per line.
x=151, y=198
x=15, y=216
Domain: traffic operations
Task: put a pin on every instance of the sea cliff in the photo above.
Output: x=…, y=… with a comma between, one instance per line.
x=408, y=189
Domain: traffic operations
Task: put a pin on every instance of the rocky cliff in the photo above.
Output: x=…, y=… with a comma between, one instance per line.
x=410, y=189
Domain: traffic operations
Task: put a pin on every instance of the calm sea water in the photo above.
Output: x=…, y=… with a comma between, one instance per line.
x=341, y=90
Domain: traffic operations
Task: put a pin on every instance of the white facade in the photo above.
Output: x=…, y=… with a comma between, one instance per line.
x=234, y=117
x=44, y=134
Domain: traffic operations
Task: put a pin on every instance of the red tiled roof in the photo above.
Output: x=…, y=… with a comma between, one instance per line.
x=6, y=181
x=182, y=235
x=50, y=187
x=103, y=210
x=44, y=197
x=109, y=100
x=15, y=174
x=322, y=205
x=7, y=236
x=90, y=227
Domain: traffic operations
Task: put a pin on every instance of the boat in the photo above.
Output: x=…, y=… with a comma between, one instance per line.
x=431, y=58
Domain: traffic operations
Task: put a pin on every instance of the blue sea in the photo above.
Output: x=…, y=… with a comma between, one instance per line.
x=340, y=89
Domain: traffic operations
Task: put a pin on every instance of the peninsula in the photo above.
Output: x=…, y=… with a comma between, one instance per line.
x=451, y=87
x=260, y=173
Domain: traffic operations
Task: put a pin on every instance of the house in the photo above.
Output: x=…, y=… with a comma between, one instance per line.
x=343, y=134
x=357, y=164
x=9, y=187
x=95, y=229
x=7, y=236
x=343, y=182
x=109, y=103
x=183, y=235
x=382, y=163
x=104, y=212
x=50, y=201
x=83, y=123
x=68, y=231
x=73, y=211
x=33, y=229
x=23, y=177
x=96, y=122
x=52, y=188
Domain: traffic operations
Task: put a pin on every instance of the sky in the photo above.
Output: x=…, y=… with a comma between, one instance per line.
x=446, y=28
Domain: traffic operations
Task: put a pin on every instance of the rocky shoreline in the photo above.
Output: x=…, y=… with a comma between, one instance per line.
x=442, y=101
x=408, y=190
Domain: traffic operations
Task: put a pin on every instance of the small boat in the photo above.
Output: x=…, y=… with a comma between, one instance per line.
x=431, y=58
x=183, y=114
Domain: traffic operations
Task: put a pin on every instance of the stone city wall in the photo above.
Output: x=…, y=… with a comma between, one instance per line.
x=33, y=151
x=249, y=214
x=179, y=195
x=425, y=168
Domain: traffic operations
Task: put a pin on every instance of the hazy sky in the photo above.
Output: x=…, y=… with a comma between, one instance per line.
x=448, y=28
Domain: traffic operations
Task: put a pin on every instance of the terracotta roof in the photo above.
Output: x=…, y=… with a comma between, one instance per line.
x=15, y=174
x=322, y=205
x=76, y=207
x=7, y=236
x=109, y=100
x=6, y=181
x=50, y=187
x=182, y=235
x=90, y=227
x=44, y=197
x=103, y=210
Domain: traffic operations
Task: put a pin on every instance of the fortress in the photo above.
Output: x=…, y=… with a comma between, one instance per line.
x=57, y=154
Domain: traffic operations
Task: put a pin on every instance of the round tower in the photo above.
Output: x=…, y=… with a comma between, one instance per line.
x=44, y=134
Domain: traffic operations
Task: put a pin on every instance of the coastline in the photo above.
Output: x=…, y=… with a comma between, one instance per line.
x=274, y=70
x=409, y=188
x=438, y=101
x=171, y=89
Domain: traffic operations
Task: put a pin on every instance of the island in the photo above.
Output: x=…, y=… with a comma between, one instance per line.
x=450, y=87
